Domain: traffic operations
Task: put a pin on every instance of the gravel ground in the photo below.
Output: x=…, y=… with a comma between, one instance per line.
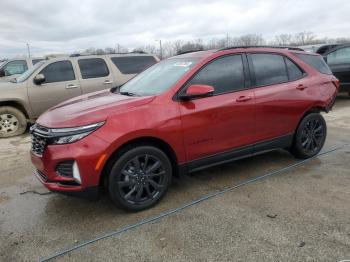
x=300, y=215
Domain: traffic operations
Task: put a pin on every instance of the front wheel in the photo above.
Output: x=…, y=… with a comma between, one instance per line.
x=12, y=122
x=139, y=178
x=310, y=136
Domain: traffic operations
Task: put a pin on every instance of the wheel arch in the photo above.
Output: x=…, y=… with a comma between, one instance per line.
x=16, y=105
x=145, y=140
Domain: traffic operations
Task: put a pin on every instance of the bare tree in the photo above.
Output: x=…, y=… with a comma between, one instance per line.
x=283, y=39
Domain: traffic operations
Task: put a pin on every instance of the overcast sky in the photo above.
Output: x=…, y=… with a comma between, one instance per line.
x=70, y=25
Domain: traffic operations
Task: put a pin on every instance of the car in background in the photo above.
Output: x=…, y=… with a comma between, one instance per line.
x=15, y=67
x=53, y=81
x=338, y=59
x=181, y=115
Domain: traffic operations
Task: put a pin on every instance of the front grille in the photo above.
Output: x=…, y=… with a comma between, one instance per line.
x=38, y=144
x=65, y=169
x=39, y=139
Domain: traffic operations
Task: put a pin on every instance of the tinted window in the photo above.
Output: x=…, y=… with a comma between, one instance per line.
x=316, y=62
x=294, y=71
x=35, y=61
x=340, y=56
x=92, y=68
x=15, y=67
x=225, y=74
x=133, y=64
x=269, y=69
x=58, y=72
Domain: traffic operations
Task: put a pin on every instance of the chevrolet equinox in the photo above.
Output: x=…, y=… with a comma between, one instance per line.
x=183, y=114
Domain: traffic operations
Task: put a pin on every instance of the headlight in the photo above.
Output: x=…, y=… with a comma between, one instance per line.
x=72, y=134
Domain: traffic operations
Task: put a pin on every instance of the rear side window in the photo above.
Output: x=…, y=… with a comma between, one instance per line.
x=316, y=62
x=93, y=68
x=269, y=69
x=15, y=67
x=58, y=72
x=294, y=72
x=133, y=64
x=225, y=74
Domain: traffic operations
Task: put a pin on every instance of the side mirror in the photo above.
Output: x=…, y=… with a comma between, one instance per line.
x=325, y=58
x=2, y=72
x=197, y=91
x=39, y=79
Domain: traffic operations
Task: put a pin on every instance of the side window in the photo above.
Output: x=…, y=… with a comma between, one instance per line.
x=269, y=69
x=15, y=67
x=58, y=72
x=225, y=74
x=294, y=72
x=93, y=68
x=340, y=56
x=133, y=64
x=315, y=61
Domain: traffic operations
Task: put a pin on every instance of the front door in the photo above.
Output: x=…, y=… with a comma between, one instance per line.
x=224, y=121
x=60, y=84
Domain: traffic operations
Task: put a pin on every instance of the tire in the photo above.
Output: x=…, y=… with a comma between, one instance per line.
x=12, y=122
x=310, y=136
x=139, y=178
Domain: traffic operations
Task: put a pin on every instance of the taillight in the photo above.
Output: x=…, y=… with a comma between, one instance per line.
x=336, y=83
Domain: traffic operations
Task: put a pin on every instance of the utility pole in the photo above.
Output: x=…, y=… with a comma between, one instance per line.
x=28, y=48
x=160, y=49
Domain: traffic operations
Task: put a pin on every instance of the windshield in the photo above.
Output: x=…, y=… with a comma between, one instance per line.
x=158, y=78
x=23, y=77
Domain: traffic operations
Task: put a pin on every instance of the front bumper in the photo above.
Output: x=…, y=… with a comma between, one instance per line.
x=86, y=153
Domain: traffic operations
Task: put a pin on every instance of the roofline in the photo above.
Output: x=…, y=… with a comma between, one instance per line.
x=262, y=46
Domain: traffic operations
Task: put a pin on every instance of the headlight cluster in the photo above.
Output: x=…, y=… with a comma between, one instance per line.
x=61, y=136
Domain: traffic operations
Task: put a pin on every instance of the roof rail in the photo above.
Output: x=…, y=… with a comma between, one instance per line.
x=263, y=46
x=112, y=53
x=189, y=51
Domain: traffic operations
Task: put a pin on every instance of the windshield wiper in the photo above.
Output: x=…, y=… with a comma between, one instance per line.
x=125, y=93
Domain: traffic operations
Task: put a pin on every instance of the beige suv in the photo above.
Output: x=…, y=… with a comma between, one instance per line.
x=53, y=81
x=13, y=68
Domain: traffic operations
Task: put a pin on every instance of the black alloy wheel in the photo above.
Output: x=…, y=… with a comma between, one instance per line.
x=139, y=178
x=310, y=136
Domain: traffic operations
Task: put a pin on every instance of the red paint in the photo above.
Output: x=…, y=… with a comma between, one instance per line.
x=192, y=129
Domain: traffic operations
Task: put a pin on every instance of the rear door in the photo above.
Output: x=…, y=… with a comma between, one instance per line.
x=60, y=84
x=94, y=75
x=224, y=121
x=280, y=100
x=339, y=62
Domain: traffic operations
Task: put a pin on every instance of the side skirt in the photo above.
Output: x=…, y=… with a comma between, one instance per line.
x=237, y=153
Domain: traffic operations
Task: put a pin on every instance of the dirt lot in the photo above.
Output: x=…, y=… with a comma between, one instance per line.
x=300, y=215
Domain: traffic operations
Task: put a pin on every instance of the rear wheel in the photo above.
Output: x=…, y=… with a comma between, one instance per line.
x=12, y=122
x=140, y=178
x=310, y=136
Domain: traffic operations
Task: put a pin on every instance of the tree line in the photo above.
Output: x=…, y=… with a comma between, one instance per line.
x=171, y=48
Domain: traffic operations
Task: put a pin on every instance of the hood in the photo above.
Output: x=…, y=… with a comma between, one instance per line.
x=89, y=109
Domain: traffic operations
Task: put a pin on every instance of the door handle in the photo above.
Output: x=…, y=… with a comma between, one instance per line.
x=301, y=87
x=70, y=86
x=106, y=82
x=243, y=98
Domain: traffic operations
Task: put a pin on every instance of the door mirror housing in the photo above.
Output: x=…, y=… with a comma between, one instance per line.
x=2, y=72
x=325, y=58
x=197, y=91
x=39, y=79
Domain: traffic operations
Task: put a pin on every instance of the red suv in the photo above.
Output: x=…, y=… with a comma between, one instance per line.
x=183, y=114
